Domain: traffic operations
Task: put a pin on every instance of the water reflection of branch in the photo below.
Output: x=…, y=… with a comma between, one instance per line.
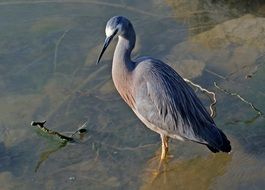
x=210, y=94
x=46, y=154
x=259, y=113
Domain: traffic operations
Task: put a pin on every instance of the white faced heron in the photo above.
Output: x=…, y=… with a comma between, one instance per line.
x=158, y=95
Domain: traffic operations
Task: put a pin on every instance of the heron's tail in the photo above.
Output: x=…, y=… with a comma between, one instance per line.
x=223, y=145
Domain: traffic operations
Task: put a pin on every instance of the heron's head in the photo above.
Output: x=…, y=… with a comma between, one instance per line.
x=116, y=26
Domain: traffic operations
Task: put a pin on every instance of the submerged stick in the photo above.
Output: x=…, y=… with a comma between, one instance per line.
x=64, y=140
x=40, y=125
x=56, y=49
x=239, y=97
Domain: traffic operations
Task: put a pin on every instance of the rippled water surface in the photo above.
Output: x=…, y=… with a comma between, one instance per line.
x=48, y=50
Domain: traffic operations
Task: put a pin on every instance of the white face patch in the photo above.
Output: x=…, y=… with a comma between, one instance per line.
x=109, y=31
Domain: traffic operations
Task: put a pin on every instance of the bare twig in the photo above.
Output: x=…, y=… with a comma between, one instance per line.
x=40, y=125
x=212, y=97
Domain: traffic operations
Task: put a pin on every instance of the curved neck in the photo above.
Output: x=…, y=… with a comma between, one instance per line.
x=122, y=55
x=123, y=66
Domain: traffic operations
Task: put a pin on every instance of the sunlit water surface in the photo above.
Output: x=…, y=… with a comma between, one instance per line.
x=48, y=51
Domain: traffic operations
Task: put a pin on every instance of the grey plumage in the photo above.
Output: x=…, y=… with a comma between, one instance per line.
x=167, y=101
x=161, y=99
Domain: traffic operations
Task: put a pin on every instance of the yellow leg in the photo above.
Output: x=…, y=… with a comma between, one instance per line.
x=164, y=152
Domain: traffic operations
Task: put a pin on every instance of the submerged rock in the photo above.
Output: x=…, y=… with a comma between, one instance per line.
x=227, y=47
x=247, y=30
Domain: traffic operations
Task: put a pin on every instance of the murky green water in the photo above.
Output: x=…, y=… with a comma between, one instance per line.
x=48, y=51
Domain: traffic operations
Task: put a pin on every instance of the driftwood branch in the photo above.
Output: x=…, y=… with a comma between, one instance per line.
x=210, y=94
x=40, y=125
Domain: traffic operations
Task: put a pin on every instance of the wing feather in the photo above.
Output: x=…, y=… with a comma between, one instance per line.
x=167, y=101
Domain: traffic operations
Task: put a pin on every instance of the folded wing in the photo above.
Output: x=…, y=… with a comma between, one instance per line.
x=166, y=100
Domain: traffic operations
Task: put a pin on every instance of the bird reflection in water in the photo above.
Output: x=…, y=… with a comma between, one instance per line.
x=197, y=173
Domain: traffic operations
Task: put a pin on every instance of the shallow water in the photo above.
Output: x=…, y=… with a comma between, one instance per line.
x=48, y=51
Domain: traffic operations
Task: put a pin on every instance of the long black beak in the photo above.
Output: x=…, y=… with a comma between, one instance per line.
x=106, y=44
